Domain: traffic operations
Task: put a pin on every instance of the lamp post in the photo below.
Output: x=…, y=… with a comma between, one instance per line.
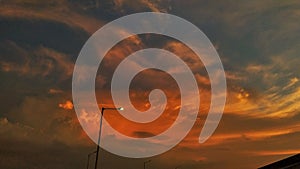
x=101, y=118
x=145, y=162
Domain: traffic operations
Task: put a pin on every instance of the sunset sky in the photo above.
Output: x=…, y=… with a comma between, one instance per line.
x=257, y=41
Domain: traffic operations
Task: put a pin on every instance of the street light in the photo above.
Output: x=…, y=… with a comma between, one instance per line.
x=101, y=118
x=145, y=162
x=88, y=162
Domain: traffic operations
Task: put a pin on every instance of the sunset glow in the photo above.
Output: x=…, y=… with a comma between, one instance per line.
x=258, y=44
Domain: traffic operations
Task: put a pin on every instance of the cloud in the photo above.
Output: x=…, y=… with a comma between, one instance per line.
x=292, y=82
x=19, y=131
x=57, y=10
x=142, y=134
x=143, y=5
x=257, y=42
x=38, y=62
x=186, y=54
x=68, y=105
x=45, y=122
x=278, y=152
x=55, y=91
x=268, y=90
x=262, y=134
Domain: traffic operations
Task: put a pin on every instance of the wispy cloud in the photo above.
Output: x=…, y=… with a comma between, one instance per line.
x=38, y=62
x=58, y=11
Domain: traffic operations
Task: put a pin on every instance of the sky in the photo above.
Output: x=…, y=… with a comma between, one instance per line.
x=258, y=43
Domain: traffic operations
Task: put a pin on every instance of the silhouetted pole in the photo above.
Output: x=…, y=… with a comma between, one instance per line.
x=100, y=130
x=98, y=145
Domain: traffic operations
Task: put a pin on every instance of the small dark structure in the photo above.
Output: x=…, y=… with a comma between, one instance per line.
x=292, y=162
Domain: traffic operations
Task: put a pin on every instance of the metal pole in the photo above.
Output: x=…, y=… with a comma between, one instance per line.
x=98, y=145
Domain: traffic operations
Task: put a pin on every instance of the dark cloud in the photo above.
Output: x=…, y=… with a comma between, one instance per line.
x=38, y=32
x=142, y=134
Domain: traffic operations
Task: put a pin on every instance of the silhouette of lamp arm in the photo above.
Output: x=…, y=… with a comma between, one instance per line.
x=100, y=130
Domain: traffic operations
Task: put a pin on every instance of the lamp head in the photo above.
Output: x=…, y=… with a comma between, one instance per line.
x=120, y=108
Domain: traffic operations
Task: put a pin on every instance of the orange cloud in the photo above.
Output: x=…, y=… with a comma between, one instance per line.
x=154, y=6
x=55, y=91
x=186, y=54
x=68, y=105
x=278, y=152
x=292, y=82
